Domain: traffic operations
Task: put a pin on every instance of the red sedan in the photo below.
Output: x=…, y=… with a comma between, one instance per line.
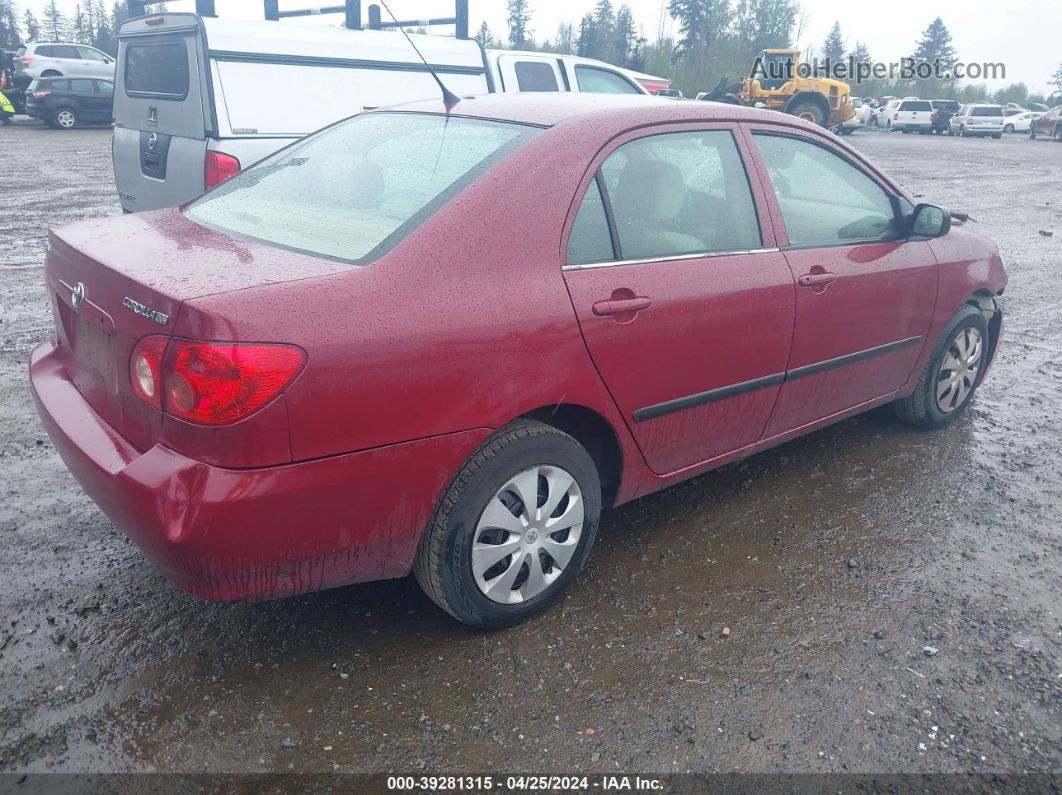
x=442, y=342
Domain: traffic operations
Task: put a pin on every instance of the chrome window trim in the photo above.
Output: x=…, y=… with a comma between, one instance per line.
x=672, y=258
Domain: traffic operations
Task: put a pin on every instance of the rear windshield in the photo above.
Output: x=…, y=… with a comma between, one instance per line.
x=916, y=106
x=983, y=111
x=946, y=105
x=159, y=70
x=356, y=189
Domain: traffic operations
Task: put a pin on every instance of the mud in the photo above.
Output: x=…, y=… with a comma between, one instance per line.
x=892, y=596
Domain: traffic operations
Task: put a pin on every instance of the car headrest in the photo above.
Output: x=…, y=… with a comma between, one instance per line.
x=649, y=190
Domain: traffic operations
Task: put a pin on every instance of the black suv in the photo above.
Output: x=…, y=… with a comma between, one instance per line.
x=66, y=102
x=943, y=110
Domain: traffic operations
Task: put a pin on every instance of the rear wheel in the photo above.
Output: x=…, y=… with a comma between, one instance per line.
x=951, y=374
x=65, y=118
x=809, y=111
x=514, y=527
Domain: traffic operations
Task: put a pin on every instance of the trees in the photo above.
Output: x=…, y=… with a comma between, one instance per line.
x=833, y=48
x=519, y=16
x=935, y=46
x=1056, y=79
x=31, y=26
x=9, y=34
x=484, y=36
x=700, y=22
x=54, y=26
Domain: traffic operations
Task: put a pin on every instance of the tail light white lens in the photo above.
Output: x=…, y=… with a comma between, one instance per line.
x=145, y=369
x=211, y=383
x=219, y=167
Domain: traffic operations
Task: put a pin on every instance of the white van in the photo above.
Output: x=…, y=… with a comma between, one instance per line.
x=198, y=98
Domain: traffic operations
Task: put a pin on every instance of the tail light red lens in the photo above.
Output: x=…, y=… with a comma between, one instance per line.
x=219, y=167
x=213, y=383
x=27, y=60
x=41, y=94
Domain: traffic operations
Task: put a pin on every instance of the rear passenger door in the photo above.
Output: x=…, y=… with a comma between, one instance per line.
x=685, y=305
x=865, y=294
x=521, y=73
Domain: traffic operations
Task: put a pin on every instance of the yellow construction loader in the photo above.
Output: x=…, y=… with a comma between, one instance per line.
x=779, y=81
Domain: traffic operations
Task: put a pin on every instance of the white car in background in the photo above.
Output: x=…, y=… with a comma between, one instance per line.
x=883, y=115
x=863, y=113
x=978, y=118
x=1020, y=122
x=52, y=59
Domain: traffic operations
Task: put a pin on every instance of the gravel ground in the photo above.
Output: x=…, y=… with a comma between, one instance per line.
x=892, y=597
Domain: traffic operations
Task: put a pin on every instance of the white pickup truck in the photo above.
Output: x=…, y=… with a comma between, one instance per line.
x=913, y=115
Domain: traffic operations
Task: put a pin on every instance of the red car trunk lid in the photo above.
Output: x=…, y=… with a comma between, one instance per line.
x=115, y=281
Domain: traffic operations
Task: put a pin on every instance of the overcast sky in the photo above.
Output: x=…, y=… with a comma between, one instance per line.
x=1022, y=34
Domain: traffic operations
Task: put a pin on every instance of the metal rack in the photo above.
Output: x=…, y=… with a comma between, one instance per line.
x=351, y=10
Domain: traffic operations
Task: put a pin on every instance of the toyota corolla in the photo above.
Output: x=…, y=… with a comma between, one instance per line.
x=443, y=339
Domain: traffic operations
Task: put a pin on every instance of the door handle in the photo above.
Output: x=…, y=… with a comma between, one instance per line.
x=818, y=279
x=621, y=306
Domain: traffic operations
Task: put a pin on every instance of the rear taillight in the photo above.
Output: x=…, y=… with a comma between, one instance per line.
x=145, y=369
x=211, y=383
x=41, y=94
x=219, y=167
x=27, y=60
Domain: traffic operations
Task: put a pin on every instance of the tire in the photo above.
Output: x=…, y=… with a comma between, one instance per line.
x=808, y=111
x=1057, y=137
x=65, y=118
x=1032, y=133
x=1008, y=128
x=922, y=407
x=962, y=130
x=444, y=561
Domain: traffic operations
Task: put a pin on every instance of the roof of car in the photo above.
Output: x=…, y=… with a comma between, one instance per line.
x=551, y=109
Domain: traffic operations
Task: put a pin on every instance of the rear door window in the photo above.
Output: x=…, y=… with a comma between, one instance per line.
x=535, y=76
x=83, y=86
x=602, y=81
x=157, y=70
x=590, y=240
x=680, y=193
x=983, y=111
x=916, y=106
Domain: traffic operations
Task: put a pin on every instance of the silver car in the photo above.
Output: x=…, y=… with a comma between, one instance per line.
x=51, y=59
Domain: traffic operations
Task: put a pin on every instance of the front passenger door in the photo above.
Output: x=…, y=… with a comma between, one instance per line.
x=865, y=294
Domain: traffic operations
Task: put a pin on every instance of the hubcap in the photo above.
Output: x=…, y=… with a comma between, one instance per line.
x=527, y=534
x=66, y=118
x=958, y=370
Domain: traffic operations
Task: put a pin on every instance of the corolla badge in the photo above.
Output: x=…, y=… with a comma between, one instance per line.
x=145, y=311
x=77, y=295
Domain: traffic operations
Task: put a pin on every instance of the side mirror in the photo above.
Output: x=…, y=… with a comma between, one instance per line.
x=928, y=221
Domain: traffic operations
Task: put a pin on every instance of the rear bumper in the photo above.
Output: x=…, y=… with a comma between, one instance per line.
x=227, y=534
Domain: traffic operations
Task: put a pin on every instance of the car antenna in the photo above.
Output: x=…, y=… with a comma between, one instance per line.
x=449, y=98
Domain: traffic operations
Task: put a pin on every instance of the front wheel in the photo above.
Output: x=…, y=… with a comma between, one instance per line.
x=514, y=527
x=951, y=374
x=1008, y=128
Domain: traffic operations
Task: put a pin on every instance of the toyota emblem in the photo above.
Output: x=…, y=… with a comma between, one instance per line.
x=77, y=295
x=153, y=141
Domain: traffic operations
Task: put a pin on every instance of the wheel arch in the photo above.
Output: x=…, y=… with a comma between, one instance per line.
x=595, y=434
x=984, y=300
